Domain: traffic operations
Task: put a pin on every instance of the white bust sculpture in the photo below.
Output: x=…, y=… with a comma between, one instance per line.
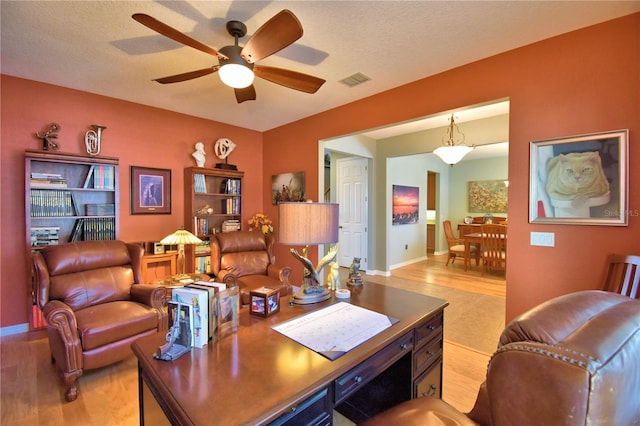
x=199, y=154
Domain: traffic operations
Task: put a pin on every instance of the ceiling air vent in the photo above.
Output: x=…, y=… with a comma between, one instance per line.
x=355, y=79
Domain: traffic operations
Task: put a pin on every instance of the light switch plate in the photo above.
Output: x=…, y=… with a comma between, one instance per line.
x=544, y=239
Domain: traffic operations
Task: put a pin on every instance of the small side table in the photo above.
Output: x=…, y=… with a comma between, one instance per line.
x=150, y=259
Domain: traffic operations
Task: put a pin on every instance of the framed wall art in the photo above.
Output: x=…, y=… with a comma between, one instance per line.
x=150, y=190
x=406, y=205
x=488, y=196
x=287, y=187
x=580, y=180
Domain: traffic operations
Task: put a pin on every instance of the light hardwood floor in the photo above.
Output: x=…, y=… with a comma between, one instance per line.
x=31, y=393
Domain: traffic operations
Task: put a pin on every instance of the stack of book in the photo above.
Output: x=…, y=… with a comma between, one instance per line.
x=230, y=225
x=44, y=236
x=230, y=186
x=47, y=180
x=45, y=203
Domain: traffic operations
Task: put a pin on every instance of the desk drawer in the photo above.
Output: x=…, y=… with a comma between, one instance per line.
x=427, y=354
x=369, y=369
x=430, y=383
x=315, y=411
x=429, y=329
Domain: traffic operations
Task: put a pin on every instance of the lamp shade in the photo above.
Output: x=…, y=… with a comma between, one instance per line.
x=236, y=76
x=181, y=236
x=452, y=154
x=301, y=224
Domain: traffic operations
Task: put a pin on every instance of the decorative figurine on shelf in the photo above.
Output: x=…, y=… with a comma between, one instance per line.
x=206, y=209
x=222, y=149
x=199, y=154
x=354, y=273
x=333, y=277
x=92, y=139
x=48, y=142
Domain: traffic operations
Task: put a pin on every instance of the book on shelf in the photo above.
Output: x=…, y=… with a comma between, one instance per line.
x=202, y=265
x=230, y=206
x=199, y=299
x=199, y=183
x=42, y=236
x=230, y=186
x=76, y=232
x=100, y=176
x=203, y=248
x=103, y=209
x=201, y=225
x=47, y=203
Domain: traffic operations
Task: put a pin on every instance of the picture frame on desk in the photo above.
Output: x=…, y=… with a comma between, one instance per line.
x=150, y=190
x=580, y=180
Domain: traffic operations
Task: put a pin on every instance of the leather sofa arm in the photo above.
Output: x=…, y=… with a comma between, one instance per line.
x=62, y=322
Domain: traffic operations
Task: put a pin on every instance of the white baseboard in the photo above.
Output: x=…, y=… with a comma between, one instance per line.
x=14, y=329
x=408, y=262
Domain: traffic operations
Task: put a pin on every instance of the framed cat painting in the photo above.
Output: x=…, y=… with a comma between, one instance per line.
x=580, y=180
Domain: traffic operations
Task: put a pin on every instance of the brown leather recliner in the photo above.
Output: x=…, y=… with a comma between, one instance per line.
x=245, y=259
x=93, y=303
x=574, y=360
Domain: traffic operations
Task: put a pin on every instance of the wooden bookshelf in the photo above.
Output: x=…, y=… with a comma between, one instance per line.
x=213, y=198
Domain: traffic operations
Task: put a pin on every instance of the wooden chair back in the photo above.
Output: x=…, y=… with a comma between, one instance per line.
x=494, y=247
x=623, y=275
x=448, y=232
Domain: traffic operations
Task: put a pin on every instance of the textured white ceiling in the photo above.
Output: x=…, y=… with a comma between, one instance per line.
x=97, y=47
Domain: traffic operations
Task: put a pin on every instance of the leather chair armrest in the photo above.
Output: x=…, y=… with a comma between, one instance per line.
x=227, y=278
x=150, y=295
x=280, y=273
x=63, y=335
x=153, y=296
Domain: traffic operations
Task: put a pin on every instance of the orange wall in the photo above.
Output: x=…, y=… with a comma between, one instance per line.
x=584, y=81
x=136, y=134
x=581, y=82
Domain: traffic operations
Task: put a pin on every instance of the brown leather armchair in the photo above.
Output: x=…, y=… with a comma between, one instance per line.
x=93, y=304
x=245, y=259
x=574, y=360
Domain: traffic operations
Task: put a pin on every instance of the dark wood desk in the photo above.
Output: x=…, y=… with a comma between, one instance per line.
x=259, y=376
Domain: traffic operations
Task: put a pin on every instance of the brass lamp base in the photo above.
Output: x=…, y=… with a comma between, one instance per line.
x=302, y=298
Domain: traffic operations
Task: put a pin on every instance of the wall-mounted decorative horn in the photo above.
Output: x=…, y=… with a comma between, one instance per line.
x=92, y=139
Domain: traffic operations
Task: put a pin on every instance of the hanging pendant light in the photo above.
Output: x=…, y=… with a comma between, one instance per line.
x=453, y=150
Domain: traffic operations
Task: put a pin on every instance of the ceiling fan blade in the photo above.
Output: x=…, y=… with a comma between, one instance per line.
x=245, y=94
x=274, y=35
x=291, y=79
x=174, y=34
x=187, y=75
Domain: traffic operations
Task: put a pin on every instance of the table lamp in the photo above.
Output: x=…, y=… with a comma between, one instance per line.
x=180, y=237
x=304, y=224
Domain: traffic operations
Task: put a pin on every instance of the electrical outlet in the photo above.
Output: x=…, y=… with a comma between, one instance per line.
x=544, y=239
x=406, y=246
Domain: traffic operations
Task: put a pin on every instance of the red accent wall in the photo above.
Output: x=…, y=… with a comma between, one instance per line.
x=138, y=135
x=580, y=82
x=584, y=81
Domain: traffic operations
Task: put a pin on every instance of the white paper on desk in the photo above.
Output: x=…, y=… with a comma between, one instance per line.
x=336, y=329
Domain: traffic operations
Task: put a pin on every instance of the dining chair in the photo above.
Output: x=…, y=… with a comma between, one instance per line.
x=623, y=275
x=494, y=247
x=456, y=245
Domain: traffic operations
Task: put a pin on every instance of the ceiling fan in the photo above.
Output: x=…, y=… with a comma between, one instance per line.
x=237, y=65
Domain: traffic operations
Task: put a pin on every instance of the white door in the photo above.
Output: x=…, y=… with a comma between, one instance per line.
x=352, y=189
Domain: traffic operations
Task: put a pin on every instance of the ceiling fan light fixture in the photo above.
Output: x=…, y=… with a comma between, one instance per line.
x=453, y=149
x=234, y=71
x=236, y=76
